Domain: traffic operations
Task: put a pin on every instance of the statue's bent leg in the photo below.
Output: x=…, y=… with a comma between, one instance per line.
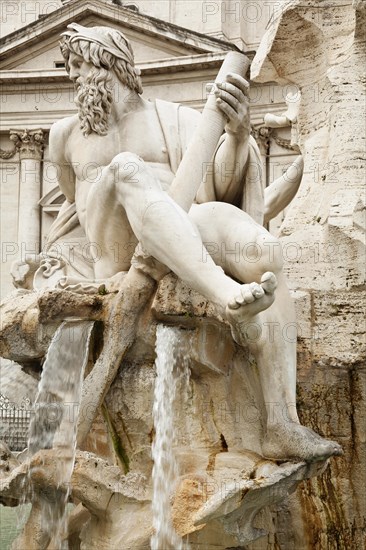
x=164, y=229
x=246, y=251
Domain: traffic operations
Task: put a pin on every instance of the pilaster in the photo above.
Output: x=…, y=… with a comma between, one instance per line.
x=29, y=144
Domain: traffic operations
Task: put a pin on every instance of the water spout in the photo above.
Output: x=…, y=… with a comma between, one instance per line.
x=165, y=470
x=54, y=421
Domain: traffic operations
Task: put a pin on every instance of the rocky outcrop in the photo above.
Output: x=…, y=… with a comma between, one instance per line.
x=321, y=48
x=225, y=488
x=29, y=320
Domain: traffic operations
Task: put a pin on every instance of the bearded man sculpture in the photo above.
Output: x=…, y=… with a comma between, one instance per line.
x=116, y=161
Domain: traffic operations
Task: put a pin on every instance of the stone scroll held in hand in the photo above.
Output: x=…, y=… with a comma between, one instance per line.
x=202, y=146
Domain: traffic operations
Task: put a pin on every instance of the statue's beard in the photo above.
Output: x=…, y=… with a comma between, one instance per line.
x=94, y=101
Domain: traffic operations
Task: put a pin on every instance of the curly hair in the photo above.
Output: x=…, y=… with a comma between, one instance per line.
x=100, y=57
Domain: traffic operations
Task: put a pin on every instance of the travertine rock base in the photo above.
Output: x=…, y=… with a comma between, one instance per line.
x=225, y=489
x=320, y=47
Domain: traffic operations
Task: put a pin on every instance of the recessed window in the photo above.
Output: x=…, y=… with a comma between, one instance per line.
x=59, y=64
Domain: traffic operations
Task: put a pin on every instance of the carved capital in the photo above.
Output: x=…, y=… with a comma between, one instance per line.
x=29, y=143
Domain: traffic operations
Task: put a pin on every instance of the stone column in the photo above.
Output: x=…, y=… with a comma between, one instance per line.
x=30, y=145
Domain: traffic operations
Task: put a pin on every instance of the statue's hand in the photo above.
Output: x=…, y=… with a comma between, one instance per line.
x=233, y=101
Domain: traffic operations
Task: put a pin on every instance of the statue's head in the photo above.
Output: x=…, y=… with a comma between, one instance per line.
x=105, y=52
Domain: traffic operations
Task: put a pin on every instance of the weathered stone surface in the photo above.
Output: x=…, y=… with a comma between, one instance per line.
x=225, y=486
x=319, y=47
x=60, y=304
x=175, y=301
x=218, y=504
x=22, y=337
x=29, y=320
x=218, y=428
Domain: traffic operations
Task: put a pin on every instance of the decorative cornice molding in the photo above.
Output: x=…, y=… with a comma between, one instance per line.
x=29, y=143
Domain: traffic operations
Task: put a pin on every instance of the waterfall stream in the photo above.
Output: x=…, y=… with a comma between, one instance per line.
x=53, y=424
x=169, y=378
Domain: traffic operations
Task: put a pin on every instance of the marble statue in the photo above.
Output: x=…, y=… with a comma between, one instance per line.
x=116, y=160
x=240, y=451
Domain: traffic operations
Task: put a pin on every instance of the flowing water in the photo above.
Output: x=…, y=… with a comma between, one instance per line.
x=171, y=373
x=54, y=422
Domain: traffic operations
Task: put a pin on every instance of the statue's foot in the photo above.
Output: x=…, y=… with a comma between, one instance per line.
x=253, y=299
x=291, y=441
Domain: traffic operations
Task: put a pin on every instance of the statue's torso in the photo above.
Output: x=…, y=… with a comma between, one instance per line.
x=137, y=132
x=105, y=222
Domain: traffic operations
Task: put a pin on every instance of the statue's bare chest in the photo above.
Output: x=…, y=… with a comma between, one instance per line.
x=138, y=133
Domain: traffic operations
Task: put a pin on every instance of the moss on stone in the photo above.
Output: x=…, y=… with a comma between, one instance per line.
x=116, y=442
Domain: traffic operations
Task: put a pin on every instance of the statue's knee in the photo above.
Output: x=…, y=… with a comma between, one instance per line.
x=126, y=158
x=271, y=253
x=126, y=167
